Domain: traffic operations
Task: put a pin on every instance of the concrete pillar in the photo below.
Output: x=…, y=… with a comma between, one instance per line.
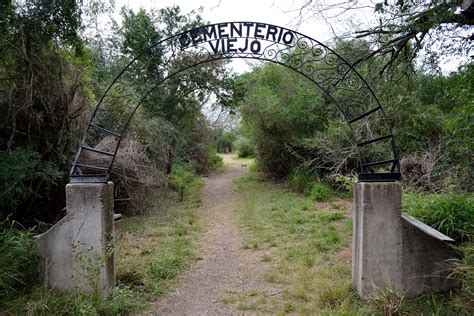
x=377, y=236
x=77, y=253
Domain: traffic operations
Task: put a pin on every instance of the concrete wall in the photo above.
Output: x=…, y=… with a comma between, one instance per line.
x=391, y=249
x=77, y=252
x=426, y=258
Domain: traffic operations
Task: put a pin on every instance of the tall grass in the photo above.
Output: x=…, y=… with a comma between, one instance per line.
x=452, y=214
x=463, y=271
x=17, y=259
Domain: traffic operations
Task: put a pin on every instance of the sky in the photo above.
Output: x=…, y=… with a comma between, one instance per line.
x=278, y=12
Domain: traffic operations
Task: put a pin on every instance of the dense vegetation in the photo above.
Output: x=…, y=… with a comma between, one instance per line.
x=294, y=127
x=53, y=75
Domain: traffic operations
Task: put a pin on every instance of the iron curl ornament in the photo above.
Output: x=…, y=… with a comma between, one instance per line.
x=330, y=72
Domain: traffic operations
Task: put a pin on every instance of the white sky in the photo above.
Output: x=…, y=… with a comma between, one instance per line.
x=278, y=12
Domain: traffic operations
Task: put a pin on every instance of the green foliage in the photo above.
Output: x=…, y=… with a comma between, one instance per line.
x=302, y=180
x=47, y=301
x=18, y=260
x=168, y=266
x=215, y=162
x=182, y=180
x=292, y=123
x=321, y=192
x=452, y=214
x=341, y=182
x=278, y=108
x=463, y=270
x=244, y=146
x=224, y=140
x=43, y=95
x=19, y=169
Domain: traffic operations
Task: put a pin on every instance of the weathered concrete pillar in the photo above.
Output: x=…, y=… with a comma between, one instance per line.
x=77, y=253
x=395, y=250
x=377, y=236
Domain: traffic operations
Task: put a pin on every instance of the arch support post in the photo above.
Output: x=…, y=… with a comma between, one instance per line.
x=77, y=253
x=391, y=249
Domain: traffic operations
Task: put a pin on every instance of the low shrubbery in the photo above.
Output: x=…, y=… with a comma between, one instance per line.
x=244, y=147
x=300, y=180
x=17, y=260
x=182, y=179
x=321, y=192
x=307, y=182
x=450, y=213
x=215, y=162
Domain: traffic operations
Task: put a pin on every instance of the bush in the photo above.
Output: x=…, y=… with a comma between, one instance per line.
x=135, y=176
x=321, y=192
x=225, y=141
x=19, y=170
x=182, y=179
x=215, y=162
x=341, y=182
x=18, y=260
x=244, y=147
x=450, y=213
x=301, y=180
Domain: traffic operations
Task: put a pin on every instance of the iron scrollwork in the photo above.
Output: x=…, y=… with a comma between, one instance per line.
x=330, y=72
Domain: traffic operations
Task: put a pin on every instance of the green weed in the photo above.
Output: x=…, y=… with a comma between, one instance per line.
x=321, y=192
x=18, y=260
x=215, y=162
x=151, y=250
x=305, y=242
x=183, y=180
x=451, y=214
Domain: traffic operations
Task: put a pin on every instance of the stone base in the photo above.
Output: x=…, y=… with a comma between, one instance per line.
x=77, y=253
x=394, y=250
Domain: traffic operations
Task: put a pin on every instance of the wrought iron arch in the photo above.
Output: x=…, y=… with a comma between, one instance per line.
x=329, y=71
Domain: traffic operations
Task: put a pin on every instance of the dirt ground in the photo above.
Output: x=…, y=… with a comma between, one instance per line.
x=224, y=265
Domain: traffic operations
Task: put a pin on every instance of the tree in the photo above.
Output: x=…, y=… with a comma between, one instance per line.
x=404, y=27
x=180, y=99
x=43, y=89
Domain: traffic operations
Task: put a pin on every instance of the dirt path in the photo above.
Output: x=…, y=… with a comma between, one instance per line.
x=224, y=265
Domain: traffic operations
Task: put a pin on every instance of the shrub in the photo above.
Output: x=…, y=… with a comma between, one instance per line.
x=225, y=141
x=341, y=182
x=451, y=214
x=244, y=147
x=182, y=179
x=19, y=169
x=134, y=175
x=215, y=162
x=17, y=263
x=321, y=192
x=301, y=180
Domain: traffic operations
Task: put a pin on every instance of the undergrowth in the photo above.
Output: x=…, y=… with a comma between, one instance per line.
x=307, y=253
x=452, y=214
x=17, y=260
x=151, y=250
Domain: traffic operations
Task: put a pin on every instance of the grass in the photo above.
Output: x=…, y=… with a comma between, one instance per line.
x=307, y=251
x=151, y=250
x=17, y=259
x=452, y=214
x=154, y=248
x=232, y=158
